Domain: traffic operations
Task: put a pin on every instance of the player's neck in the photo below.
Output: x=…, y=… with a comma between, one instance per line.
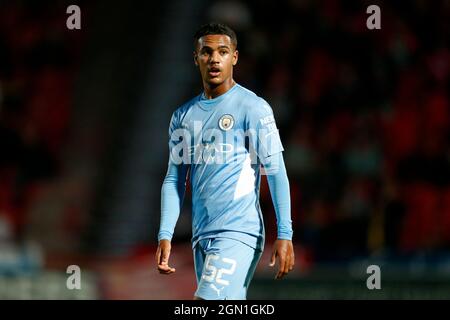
x=212, y=92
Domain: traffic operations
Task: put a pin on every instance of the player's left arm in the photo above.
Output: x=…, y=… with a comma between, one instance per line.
x=283, y=249
x=266, y=144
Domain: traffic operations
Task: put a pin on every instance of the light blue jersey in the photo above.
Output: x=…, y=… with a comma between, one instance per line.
x=222, y=142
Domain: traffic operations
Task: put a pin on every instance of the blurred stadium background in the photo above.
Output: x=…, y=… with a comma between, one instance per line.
x=363, y=114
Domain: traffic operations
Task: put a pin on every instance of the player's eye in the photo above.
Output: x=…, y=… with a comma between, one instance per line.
x=205, y=52
x=223, y=52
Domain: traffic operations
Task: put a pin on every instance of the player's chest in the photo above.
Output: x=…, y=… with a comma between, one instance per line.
x=222, y=120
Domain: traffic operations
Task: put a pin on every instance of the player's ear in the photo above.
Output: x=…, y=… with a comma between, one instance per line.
x=235, y=57
x=195, y=58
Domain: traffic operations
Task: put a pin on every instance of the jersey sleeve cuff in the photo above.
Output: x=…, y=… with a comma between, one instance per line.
x=164, y=235
x=285, y=235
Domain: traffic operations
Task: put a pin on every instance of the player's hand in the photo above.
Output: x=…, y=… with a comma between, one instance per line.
x=284, y=251
x=162, y=257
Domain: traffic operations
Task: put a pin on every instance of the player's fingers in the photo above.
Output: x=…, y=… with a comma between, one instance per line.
x=165, y=256
x=164, y=269
x=171, y=270
x=287, y=265
x=282, y=262
x=273, y=259
x=158, y=255
x=292, y=261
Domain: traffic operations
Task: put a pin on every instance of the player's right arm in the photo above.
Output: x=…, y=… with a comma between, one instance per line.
x=172, y=194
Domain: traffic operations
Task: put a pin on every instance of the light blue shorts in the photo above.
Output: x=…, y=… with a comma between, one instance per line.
x=224, y=268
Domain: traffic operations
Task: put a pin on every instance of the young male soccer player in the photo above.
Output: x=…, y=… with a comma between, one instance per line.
x=222, y=138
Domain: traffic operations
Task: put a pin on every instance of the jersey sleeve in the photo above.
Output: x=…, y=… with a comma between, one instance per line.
x=279, y=189
x=262, y=131
x=174, y=185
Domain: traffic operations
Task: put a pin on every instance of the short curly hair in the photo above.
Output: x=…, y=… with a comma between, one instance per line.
x=215, y=28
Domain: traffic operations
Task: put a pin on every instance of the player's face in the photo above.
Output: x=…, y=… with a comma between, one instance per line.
x=215, y=56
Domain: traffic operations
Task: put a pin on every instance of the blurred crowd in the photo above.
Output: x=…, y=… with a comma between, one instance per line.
x=363, y=115
x=37, y=60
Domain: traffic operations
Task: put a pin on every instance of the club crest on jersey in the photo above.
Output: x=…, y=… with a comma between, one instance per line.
x=226, y=122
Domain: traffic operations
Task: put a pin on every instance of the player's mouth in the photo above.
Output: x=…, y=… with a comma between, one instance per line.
x=213, y=72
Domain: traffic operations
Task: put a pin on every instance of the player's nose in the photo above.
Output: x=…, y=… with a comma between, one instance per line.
x=214, y=57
